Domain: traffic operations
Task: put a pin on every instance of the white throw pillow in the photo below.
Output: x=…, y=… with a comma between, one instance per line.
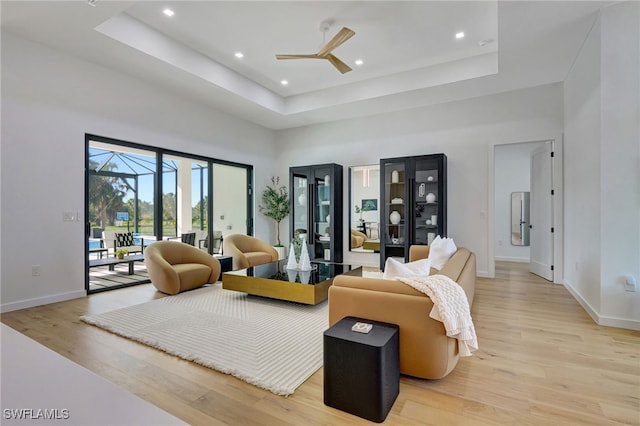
x=394, y=269
x=440, y=250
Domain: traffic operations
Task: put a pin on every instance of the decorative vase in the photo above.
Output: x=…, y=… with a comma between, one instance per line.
x=394, y=217
x=302, y=199
x=282, y=251
x=305, y=261
x=292, y=263
x=120, y=256
x=328, y=218
x=395, y=177
x=431, y=197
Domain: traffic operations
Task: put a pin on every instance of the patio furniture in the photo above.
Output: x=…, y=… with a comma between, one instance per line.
x=114, y=240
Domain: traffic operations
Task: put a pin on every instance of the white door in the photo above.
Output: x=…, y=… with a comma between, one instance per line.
x=541, y=216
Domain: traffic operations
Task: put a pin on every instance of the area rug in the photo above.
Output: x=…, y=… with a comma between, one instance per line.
x=271, y=344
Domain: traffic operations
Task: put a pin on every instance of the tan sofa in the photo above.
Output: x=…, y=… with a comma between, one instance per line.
x=425, y=349
x=248, y=251
x=175, y=267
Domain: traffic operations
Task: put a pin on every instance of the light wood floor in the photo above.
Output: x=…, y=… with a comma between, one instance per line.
x=542, y=361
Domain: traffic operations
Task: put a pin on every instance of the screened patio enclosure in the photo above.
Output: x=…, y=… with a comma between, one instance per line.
x=156, y=194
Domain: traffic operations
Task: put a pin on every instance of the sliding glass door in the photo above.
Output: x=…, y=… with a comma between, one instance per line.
x=137, y=195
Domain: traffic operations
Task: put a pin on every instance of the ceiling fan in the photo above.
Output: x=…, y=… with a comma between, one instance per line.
x=325, y=53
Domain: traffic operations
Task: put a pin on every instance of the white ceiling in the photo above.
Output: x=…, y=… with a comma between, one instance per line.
x=410, y=53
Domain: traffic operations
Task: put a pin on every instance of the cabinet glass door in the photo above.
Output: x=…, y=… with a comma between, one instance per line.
x=300, y=202
x=322, y=214
x=394, y=214
x=426, y=199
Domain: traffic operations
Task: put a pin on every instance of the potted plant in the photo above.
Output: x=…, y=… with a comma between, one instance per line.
x=120, y=253
x=275, y=204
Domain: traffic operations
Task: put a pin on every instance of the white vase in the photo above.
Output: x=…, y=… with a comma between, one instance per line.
x=292, y=264
x=328, y=218
x=395, y=177
x=394, y=217
x=431, y=197
x=281, y=252
x=302, y=199
x=305, y=261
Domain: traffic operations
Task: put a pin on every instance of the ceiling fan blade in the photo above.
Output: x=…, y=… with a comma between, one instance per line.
x=343, y=35
x=341, y=66
x=311, y=56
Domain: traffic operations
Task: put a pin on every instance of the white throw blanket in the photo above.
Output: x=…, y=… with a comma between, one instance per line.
x=450, y=306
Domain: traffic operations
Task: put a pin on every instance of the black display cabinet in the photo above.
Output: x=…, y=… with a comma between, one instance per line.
x=414, y=203
x=316, y=209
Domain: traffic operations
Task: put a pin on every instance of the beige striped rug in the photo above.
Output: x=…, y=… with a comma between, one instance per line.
x=271, y=344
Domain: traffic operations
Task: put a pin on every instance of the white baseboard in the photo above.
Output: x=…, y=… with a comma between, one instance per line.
x=38, y=301
x=596, y=317
x=511, y=259
x=482, y=274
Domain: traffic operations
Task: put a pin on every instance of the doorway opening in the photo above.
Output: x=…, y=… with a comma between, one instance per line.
x=528, y=173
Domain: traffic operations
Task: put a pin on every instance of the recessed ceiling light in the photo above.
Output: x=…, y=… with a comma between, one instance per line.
x=168, y=12
x=359, y=62
x=460, y=35
x=239, y=55
x=284, y=82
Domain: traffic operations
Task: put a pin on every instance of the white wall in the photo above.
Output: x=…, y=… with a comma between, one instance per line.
x=465, y=131
x=49, y=101
x=512, y=166
x=602, y=159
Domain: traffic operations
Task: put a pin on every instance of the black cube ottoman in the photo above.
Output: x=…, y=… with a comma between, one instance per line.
x=362, y=371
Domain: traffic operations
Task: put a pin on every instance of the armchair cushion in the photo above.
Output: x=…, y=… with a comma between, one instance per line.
x=124, y=239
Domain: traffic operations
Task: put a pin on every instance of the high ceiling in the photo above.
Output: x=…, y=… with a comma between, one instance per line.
x=409, y=50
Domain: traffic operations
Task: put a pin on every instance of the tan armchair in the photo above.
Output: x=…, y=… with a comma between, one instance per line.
x=248, y=251
x=425, y=349
x=175, y=267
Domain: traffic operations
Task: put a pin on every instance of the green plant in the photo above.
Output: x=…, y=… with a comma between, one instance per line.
x=275, y=204
x=359, y=211
x=121, y=252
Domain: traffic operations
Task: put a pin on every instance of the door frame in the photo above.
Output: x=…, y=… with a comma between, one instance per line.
x=557, y=205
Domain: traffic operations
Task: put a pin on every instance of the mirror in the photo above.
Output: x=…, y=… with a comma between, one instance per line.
x=520, y=218
x=364, y=204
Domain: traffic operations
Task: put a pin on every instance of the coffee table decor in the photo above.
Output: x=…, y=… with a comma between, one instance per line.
x=275, y=280
x=303, y=263
x=272, y=344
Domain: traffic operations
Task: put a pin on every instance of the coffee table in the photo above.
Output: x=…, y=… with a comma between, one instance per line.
x=275, y=281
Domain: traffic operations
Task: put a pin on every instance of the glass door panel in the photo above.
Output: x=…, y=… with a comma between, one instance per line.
x=322, y=213
x=120, y=200
x=394, y=215
x=425, y=200
x=300, y=201
x=229, y=205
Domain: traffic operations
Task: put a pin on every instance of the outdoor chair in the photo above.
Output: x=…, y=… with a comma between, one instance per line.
x=114, y=240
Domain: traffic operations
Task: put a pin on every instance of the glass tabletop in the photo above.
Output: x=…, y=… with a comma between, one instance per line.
x=321, y=271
